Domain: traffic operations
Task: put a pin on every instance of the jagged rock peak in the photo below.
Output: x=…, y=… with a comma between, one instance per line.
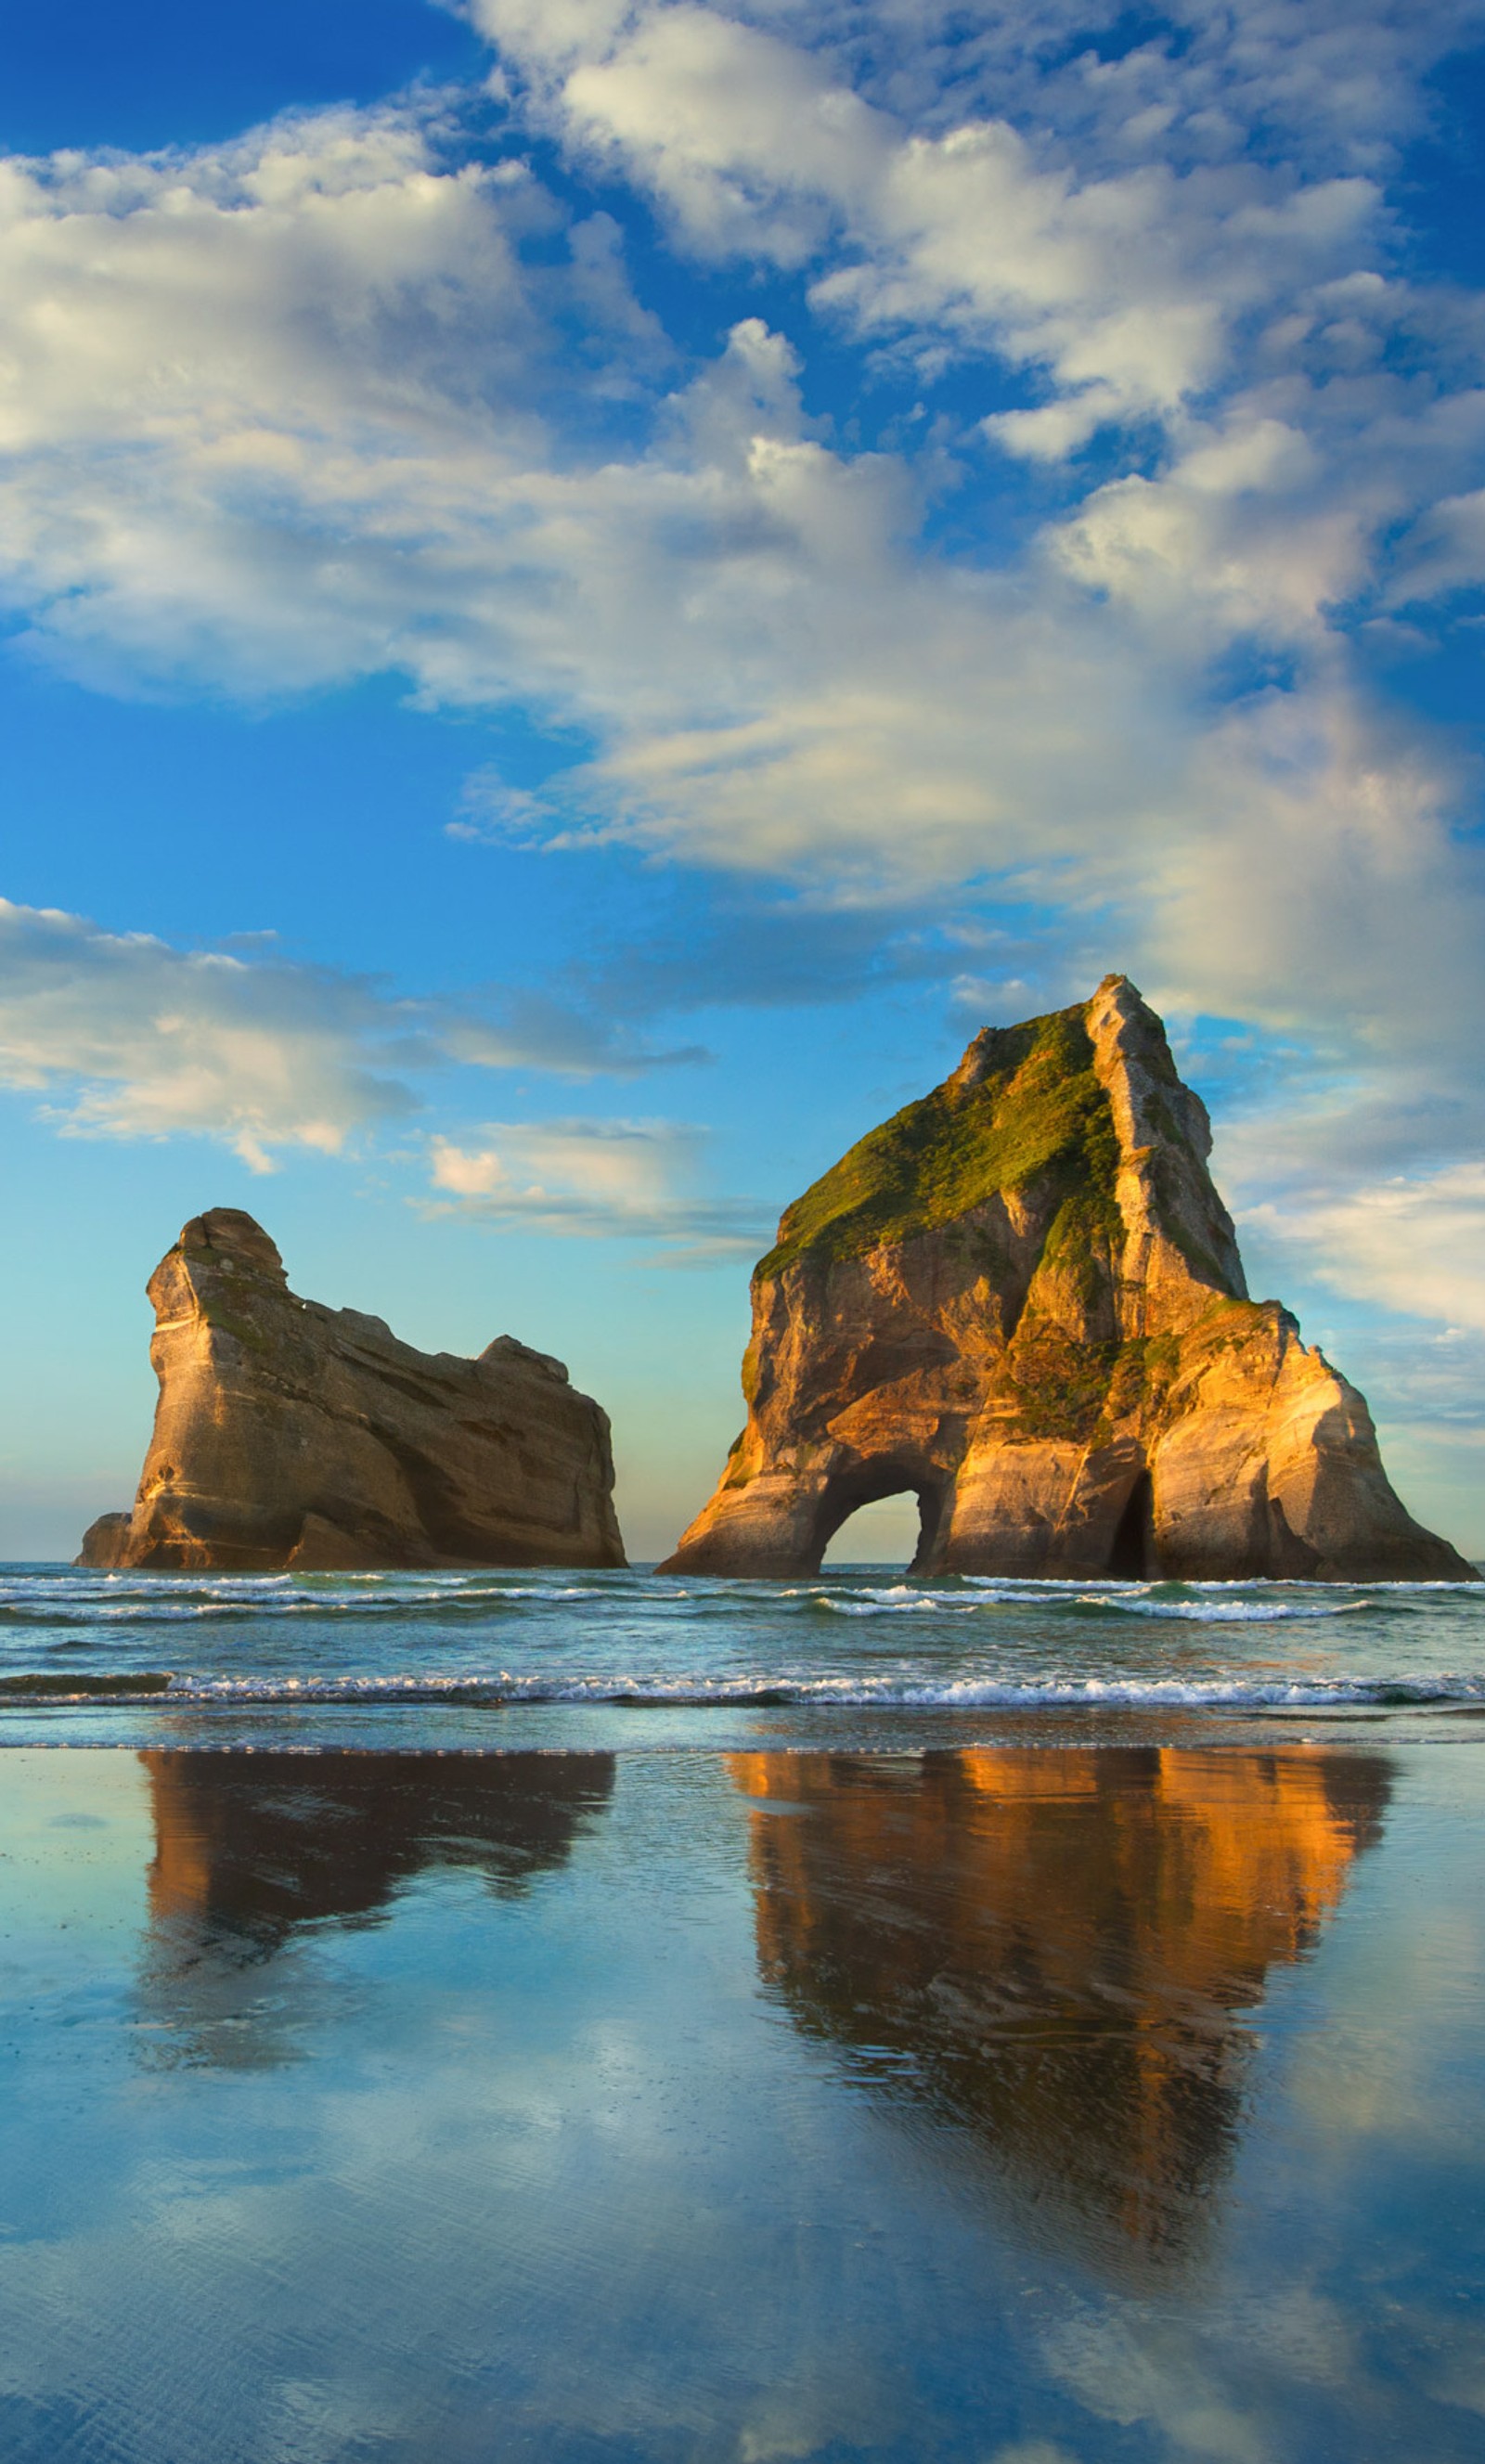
x=1086, y=1098
x=1021, y=1299
x=292, y=1435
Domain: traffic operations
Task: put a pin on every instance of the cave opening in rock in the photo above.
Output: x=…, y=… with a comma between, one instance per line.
x=1133, y=1553
x=880, y=1520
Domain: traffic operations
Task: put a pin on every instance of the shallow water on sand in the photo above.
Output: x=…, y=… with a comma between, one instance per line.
x=997, y=2105
x=602, y=2018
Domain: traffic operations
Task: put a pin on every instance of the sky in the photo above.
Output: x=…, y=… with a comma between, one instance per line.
x=588, y=588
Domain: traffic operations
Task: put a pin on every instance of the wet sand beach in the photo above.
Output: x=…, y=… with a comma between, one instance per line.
x=1020, y=2102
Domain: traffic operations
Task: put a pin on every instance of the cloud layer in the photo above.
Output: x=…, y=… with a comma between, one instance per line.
x=622, y=1180
x=297, y=410
x=121, y=1035
x=125, y=1037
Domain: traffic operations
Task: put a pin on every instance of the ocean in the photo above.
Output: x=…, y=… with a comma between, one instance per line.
x=511, y=1658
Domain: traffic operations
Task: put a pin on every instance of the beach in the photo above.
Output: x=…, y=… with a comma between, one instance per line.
x=760, y=2078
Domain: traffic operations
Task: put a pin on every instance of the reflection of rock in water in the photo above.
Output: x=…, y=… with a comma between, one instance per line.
x=251, y=1851
x=1051, y=1948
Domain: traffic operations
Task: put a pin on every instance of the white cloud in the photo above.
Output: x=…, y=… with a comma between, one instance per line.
x=122, y=1036
x=278, y=413
x=1123, y=281
x=624, y=1178
x=1234, y=538
x=1336, y=82
x=1444, y=552
x=1375, y=1191
x=128, y=1038
x=253, y=398
x=1416, y=1244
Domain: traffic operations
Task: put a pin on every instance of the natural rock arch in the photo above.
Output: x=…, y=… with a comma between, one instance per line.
x=1022, y=1298
x=870, y=1483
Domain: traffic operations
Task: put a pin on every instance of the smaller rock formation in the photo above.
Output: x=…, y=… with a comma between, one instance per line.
x=291, y=1435
x=1021, y=1299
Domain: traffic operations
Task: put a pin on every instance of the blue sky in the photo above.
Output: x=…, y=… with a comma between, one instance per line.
x=590, y=589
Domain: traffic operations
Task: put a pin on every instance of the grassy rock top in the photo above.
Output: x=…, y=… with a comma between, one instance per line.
x=1033, y=1107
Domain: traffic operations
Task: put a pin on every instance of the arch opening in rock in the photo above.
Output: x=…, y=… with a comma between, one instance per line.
x=871, y=1485
x=1133, y=1554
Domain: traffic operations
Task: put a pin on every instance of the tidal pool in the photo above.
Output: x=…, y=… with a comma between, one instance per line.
x=1008, y=2104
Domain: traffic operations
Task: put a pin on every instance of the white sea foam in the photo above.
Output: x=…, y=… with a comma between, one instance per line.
x=868, y=1640
x=742, y=1687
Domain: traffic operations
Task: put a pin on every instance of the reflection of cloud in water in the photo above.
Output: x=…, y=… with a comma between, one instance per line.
x=255, y=1853
x=1050, y=1949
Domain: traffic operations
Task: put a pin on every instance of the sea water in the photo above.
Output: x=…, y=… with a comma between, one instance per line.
x=849, y=1641
x=606, y=2020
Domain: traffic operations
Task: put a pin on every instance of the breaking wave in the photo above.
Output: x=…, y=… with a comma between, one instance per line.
x=860, y=1640
x=741, y=1687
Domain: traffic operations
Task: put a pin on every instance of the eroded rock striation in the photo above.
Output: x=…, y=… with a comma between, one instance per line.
x=1021, y=1299
x=292, y=1435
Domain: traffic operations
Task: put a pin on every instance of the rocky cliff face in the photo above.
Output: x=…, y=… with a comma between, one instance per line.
x=292, y=1435
x=1021, y=1299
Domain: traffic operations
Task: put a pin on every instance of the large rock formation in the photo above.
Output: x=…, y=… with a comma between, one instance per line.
x=1021, y=1299
x=292, y=1435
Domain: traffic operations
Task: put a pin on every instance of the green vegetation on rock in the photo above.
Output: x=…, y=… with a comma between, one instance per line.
x=1037, y=1111
x=1060, y=1388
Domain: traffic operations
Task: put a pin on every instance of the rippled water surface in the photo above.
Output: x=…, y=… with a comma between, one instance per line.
x=862, y=1641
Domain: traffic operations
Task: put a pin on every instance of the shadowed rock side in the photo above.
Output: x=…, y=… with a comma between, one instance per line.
x=1021, y=1299
x=292, y=1435
x=251, y=1852
x=1052, y=1951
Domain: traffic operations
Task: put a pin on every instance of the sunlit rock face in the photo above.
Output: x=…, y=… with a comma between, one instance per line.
x=1021, y=1300
x=1051, y=1952
x=292, y=1435
x=254, y=1854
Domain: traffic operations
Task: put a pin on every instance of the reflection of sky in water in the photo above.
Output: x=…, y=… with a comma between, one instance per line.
x=1012, y=2109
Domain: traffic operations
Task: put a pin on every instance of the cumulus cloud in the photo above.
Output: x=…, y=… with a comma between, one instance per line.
x=252, y=396
x=277, y=412
x=1374, y=1191
x=623, y=1178
x=1376, y=1181
x=285, y=410
x=1336, y=82
x=1107, y=221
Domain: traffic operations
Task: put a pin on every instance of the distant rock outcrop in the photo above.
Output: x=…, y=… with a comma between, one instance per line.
x=292, y=1435
x=1021, y=1299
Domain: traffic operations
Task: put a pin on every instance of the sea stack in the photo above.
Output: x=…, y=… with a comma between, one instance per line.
x=292, y=1435
x=1021, y=1299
